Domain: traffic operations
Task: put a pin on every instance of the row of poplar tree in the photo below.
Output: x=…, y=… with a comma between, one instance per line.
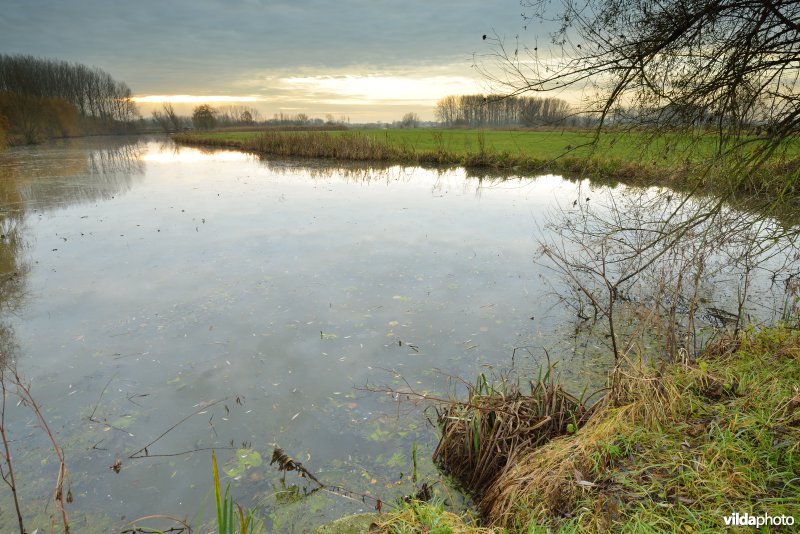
x=42, y=98
x=498, y=110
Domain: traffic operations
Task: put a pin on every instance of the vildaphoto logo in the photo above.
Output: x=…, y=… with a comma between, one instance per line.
x=747, y=520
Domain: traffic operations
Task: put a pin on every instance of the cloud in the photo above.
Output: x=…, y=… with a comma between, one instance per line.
x=193, y=99
x=374, y=89
x=266, y=48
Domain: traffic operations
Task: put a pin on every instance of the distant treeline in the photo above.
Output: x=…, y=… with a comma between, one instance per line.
x=497, y=111
x=43, y=98
x=206, y=117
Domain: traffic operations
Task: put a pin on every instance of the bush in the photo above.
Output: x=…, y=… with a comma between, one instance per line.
x=36, y=118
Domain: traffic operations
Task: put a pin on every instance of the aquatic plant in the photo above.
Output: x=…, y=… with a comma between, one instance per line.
x=232, y=520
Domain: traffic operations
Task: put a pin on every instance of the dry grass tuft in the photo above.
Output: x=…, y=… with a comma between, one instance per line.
x=547, y=479
x=494, y=429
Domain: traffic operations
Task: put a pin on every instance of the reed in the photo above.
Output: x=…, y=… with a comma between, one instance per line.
x=483, y=435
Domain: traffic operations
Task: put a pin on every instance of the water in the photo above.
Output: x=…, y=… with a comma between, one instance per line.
x=143, y=281
x=176, y=277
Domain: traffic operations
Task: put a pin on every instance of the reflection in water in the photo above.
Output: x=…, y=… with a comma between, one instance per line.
x=286, y=283
x=447, y=179
x=40, y=180
x=71, y=171
x=279, y=283
x=170, y=153
x=90, y=171
x=652, y=268
x=12, y=267
x=44, y=178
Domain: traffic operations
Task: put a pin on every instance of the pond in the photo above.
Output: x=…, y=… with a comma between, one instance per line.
x=143, y=282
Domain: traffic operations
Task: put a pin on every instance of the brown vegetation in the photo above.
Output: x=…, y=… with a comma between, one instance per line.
x=483, y=435
x=32, y=119
x=3, y=131
x=44, y=98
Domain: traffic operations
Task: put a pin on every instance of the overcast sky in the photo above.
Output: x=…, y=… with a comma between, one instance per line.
x=368, y=59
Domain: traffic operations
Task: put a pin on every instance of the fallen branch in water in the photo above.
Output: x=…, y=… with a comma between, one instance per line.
x=287, y=463
x=203, y=408
x=97, y=405
x=410, y=395
x=183, y=526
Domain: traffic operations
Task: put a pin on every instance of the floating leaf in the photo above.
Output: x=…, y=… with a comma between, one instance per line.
x=379, y=435
x=123, y=422
x=398, y=459
x=244, y=460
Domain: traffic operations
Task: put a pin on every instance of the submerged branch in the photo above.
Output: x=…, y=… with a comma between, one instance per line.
x=205, y=406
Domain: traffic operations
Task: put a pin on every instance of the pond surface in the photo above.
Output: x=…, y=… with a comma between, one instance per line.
x=143, y=281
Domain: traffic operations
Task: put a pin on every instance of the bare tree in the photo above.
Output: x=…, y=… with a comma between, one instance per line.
x=237, y=115
x=730, y=65
x=410, y=120
x=91, y=90
x=501, y=110
x=168, y=119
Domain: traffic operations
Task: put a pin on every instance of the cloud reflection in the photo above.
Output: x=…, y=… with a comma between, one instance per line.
x=190, y=155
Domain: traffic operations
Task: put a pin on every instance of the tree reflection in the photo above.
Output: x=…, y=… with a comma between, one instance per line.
x=47, y=178
x=650, y=268
x=80, y=172
x=12, y=267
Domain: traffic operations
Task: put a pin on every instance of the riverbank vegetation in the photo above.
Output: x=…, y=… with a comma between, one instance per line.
x=672, y=160
x=44, y=98
x=678, y=448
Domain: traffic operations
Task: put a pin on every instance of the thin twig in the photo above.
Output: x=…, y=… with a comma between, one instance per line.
x=12, y=484
x=170, y=429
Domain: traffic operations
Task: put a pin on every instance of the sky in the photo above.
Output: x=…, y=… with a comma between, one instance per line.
x=369, y=60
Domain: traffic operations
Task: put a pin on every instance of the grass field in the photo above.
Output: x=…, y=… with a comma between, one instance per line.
x=667, y=150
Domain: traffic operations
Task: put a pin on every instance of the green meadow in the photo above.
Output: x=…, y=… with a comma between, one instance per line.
x=640, y=148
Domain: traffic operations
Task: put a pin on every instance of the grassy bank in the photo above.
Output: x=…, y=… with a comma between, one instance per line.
x=635, y=158
x=677, y=449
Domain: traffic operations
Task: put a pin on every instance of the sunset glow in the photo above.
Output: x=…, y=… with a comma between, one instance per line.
x=366, y=89
x=193, y=99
